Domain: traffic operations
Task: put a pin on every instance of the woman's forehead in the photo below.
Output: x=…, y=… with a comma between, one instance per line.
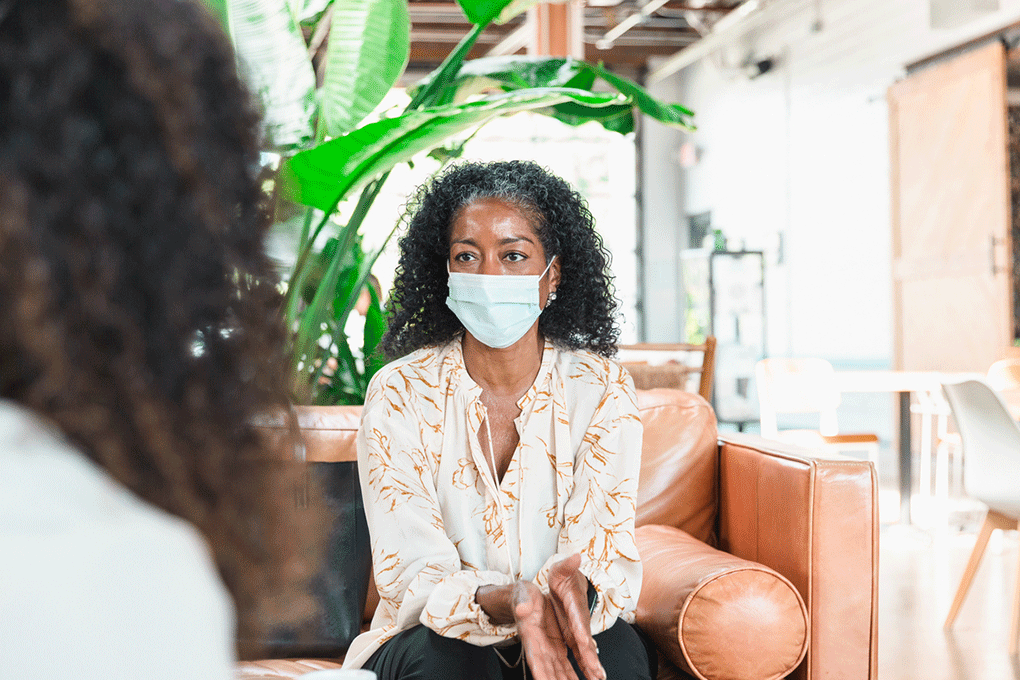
x=493, y=217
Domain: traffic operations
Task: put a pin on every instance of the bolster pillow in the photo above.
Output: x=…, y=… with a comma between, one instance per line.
x=715, y=615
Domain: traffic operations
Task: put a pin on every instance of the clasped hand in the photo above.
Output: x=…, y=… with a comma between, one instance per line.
x=551, y=625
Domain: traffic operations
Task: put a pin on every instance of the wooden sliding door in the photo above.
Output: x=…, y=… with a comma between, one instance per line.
x=952, y=295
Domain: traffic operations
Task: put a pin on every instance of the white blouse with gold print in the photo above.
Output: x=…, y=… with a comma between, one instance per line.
x=441, y=527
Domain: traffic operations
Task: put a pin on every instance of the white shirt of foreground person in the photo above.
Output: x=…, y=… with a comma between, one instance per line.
x=441, y=528
x=96, y=584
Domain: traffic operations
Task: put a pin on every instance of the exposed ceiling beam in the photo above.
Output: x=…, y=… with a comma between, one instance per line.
x=688, y=7
x=513, y=43
x=630, y=22
x=659, y=29
x=450, y=36
x=557, y=29
x=663, y=39
x=747, y=16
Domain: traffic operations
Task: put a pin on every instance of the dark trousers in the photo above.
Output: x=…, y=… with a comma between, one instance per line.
x=421, y=654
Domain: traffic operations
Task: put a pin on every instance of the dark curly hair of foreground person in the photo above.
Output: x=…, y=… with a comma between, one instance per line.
x=138, y=311
x=582, y=315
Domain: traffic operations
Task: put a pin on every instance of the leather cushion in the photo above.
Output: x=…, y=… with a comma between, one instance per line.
x=329, y=433
x=679, y=462
x=717, y=616
x=276, y=669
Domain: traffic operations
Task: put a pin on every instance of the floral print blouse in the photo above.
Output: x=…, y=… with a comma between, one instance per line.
x=441, y=526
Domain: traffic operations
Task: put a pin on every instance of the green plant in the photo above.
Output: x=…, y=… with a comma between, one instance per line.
x=330, y=153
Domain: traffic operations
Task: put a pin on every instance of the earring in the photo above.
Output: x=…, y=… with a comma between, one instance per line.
x=549, y=300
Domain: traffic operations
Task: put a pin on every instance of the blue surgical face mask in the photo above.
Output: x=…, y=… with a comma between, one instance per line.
x=497, y=309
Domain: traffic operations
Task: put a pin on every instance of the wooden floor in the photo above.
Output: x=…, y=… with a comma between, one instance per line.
x=919, y=571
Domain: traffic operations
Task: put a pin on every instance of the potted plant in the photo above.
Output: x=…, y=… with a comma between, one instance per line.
x=320, y=68
x=332, y=156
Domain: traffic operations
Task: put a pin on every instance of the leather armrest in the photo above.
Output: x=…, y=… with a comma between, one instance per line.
x=715, y=615
x=814, y=519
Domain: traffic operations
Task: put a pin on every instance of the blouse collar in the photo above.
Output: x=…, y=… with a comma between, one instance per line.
x=464, y=381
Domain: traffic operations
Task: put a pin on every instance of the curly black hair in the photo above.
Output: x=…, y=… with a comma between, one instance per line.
x=583, y=313
x=138, y=310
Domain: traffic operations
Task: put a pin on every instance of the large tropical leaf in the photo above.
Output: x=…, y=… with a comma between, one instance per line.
x=484, y=12
x=375, y=327
x=673, y=115
x=430, y=92
x=520, y=72
x=219, y=10
x=368, y=49
x=322, y=176
x=343, y=265
x=317, y=315
x=618, y=119
x=274, y=60
x=511, y=73
x=305, y=10
x=508, y=73
x=513, y=8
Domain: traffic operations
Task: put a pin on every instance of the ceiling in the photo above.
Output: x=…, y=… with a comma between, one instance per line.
x=663, y=29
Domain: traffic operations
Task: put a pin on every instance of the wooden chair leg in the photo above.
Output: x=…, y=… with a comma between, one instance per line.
x=987, y=527
x=993, y=520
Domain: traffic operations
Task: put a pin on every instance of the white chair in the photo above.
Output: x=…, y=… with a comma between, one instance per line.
x=991, y=468
x=806, y=386
x=936, y=438
x=1004, y=378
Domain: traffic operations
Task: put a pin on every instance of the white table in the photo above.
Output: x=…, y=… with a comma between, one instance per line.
x=903, y=383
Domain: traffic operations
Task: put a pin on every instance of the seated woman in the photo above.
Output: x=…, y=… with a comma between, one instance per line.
x=499, y=457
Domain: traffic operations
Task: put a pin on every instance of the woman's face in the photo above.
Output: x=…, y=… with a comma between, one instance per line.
x=491, y=236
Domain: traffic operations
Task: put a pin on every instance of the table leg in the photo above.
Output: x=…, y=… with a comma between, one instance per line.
x=905, y=458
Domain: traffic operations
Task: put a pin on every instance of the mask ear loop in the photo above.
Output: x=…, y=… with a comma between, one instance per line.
x=552, y=293
x=543, y=273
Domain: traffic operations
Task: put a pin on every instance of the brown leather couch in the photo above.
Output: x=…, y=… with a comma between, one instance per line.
x=760, y=559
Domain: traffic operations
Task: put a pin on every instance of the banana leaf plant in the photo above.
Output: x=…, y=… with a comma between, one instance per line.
x=318, y=99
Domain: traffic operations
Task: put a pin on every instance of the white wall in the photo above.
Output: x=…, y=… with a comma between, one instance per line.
x=662, y=215
x=803, y=151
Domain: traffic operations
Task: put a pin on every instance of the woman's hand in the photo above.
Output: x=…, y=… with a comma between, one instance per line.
x=568, y=592
x=545, y=649
x=549, y=625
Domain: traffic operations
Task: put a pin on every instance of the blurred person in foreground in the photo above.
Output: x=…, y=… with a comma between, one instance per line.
x=499, y=455
x=139, y=337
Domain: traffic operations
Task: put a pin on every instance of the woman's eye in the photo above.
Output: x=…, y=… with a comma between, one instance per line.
x=462, y=257
x=515, y=257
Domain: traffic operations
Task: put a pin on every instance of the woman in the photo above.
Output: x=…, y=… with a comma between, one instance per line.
x=138, y=338
x=499, y=457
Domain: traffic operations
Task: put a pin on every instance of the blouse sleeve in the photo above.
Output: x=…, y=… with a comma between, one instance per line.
x=418, y=571
x=599, y=514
